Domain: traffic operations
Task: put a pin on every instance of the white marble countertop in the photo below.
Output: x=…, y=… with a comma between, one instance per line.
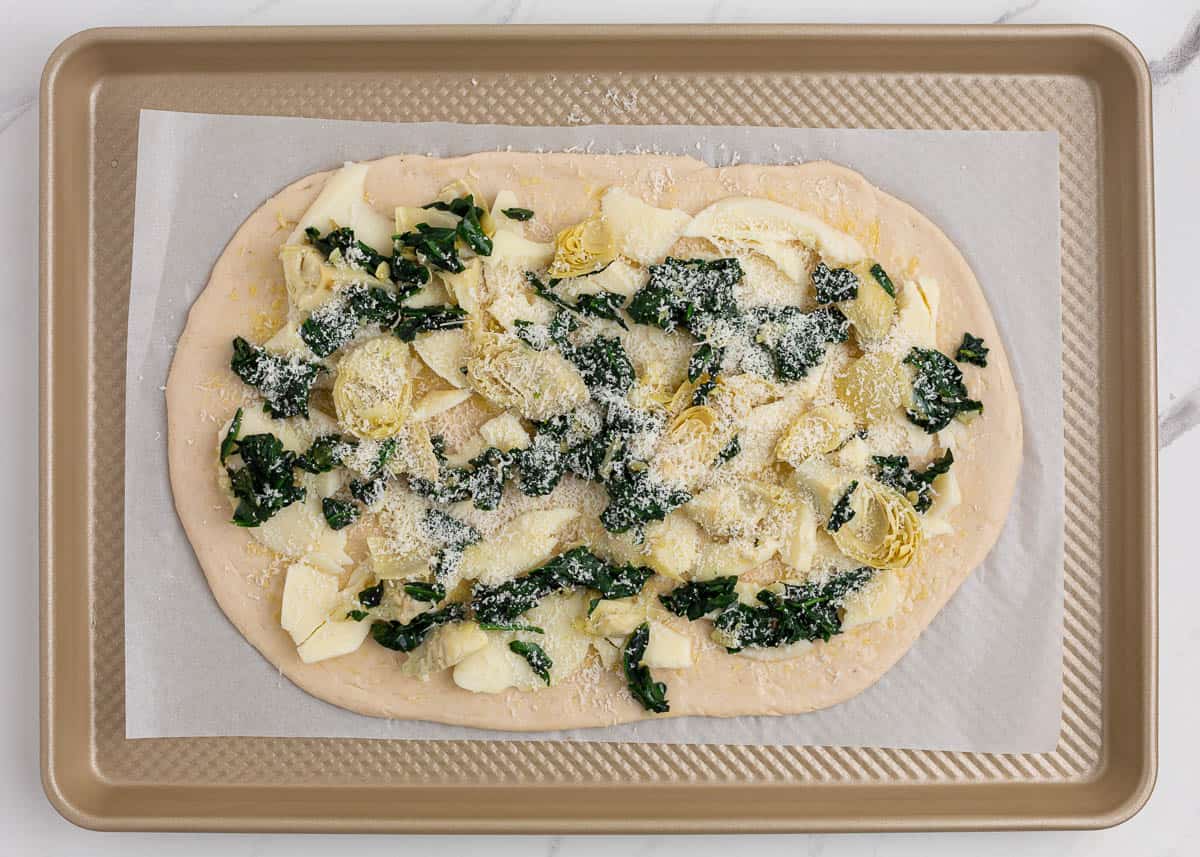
x=1167, y=32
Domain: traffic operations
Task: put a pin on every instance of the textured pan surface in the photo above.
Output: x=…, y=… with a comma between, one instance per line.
x=1087, y=84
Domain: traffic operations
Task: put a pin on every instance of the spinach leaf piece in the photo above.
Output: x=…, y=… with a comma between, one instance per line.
x=807, y=611
x=972, y=350
x=883, y=279
x=598, y=305
x=453, y=536
x=603, y=363
x=421, y=591
x=402, y=637
x=939, y=393
x=842, y=511
x=578, y=567
x=535, y=656
x=690, y=293
x=698, y=598
x=636, y=498
x=357, y=615
x=264, y=483
x=435, y=244
x=517, y=213
x=893, y=471
x=729, y=451
x=705, y=360
x=339, y=514
x=510, y=626
x=650, y=693
x=796, y=341
x=468, y=229
x=229, y=442
x=481, y=481
x=834, y=284
x=414, y=320
x=283, y=382
x=325, y=454
x=372, y=596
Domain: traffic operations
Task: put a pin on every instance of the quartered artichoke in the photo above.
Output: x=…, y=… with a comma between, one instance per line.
x=885, y=531
x=582, y=249
x=374, y=388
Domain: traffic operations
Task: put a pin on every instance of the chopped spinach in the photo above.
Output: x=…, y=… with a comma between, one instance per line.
x=939, y=393
x=893, y=471
x=703, y=389
x=972, y=350
x=339, y=514
x=422, y=591
x=372, y=596
x=481, y=481
x=404, y=637
x=599, y=305
x=578, y=567
x=796, y=341
x=650, y=693
x=834, y=284
x=535, y=656
x=807, y=611
x=413, y=320
x=690, y=293
x=730, y=450
x=452, y=536
x=435, y=244
x=842, y=511
x=325, y=454
x=636, y=498
x=333, y=324
x=883, y=279
x=468, y=230
x=603, y=364
x=283, y=382
x=510, y=626
x=357, y=615
x=368, y=491
x=229, y=442
x=698, y=598
x=705, y=360
x=517, y=213
x=265, y=483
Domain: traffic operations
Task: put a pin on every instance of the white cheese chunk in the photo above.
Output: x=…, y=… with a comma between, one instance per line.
x=505, y=432
x=672, y=545
x=445, y=352
x=761, y=223
x=506, y=199
x=800, y=541
x=308, y=596
x=335, y=638
x=526, y=541
x=640, y=231
x=947, y=496
x=438, y=402
x=342, y=202
x=668, y=649
x=875, y=601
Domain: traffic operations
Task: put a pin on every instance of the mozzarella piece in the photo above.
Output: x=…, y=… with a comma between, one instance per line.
x=800, y=542
x=256, y=421
x=527, y=541
x=300, y=531
x=668, y=649
x=672, y=545
x=854, y=454
x=512, y=249
x=432, y=293
x=335, y=638
x=342, y=202
x=511, y=307
x=505, y=432
x=762, y=224
x=878, y=599
x=734, y=557
x=823, y=482
x=447, y=646
x=917, y=303
x=620, y=278
x=438, y=402
x=504, y=223
x=308, y=596
x=287, y=341
x=947, y=496
x=640, y=231
x=492, y=669
x=466, y=287
x=445, y=352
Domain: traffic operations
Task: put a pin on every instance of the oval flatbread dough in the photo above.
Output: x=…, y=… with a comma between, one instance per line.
x=246, y=296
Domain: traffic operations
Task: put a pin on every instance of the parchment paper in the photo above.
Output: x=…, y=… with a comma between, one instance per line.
x=987, y=674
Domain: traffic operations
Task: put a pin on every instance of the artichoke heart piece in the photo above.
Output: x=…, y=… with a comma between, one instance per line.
x=582, y=249
x=537, y=384
x=693, y=440
x=374, y=388
x=310, y=280
x=873, y=386
x=872, y=309
x=817, y=431
x=885, y=531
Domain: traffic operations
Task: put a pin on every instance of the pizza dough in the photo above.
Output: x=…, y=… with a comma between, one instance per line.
x=246, y=296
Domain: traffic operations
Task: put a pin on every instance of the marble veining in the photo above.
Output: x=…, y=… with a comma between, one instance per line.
x=1009, y=15
x=1178, y=58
